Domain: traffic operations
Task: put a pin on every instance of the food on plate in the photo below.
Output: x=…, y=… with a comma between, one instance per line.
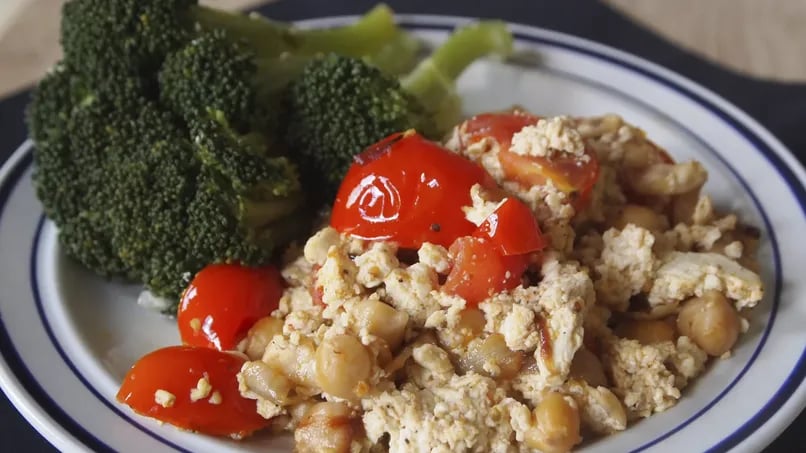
x=161, y=141
x=223, y=301
x=453, y=302
x=507, y=282
x=191, y=388
x=326, y=139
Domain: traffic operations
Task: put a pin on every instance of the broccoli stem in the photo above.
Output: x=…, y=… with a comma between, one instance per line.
x=261, y=213
x=467, y=44
x=395, y=58
x=398, y=57
x=432, y=82
x=274, y=74
x=271, y=39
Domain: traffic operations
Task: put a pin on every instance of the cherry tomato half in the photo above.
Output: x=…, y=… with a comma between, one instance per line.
x=571, y=174
x=223, y=301
x=512, y=228
x=408, y=190
x=161, y=385
x=480, y=270
x=498, y=126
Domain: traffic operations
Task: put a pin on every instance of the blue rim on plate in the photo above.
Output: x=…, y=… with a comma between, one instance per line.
x=793, y=380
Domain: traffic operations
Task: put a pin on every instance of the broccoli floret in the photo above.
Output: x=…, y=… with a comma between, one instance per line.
x=154, y=138
x=70, y=126
x=152, y=163
x=137, y=195
x=262, y=189
x=123, y=36
x=340, y=105
x=215, y=73
x=133, y=37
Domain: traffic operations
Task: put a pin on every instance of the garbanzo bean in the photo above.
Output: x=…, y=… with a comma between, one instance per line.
x=683, y=206
x=267, y=382
x=260, y=335
x=646, y=331
x=711, y=321
x=491, y=357
x=382, y=321
x=471, y=324
x=640, y=216
x=325, y=427
x=342, y=364
x=556, y=425
x=588, y=367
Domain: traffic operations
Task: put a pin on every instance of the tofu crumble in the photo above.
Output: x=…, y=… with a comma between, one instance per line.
x=366, y=348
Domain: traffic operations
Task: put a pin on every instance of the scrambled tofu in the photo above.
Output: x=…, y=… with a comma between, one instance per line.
x=683, y=275
x=649, y=377
x=625, y=267
x=467, y=413
x=547, y=137
x=368, y=350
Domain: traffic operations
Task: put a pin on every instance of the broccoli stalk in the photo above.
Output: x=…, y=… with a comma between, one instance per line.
x=398, y=56
x=433, y=81
x=133, y=37
x=271, y=39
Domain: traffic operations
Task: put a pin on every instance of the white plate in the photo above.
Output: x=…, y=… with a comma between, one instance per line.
x=67, y=337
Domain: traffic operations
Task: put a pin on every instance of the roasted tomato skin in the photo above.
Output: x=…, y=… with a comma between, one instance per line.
x=481, y=270
x=223, y=301
x=497, y=126
x=176, y=371
x=512, y=228
x=408, y=190
x=573, y=175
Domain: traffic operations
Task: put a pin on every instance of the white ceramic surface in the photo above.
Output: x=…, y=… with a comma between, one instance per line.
x=67, y=337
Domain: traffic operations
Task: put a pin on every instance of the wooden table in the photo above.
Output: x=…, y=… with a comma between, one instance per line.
x=765, y=39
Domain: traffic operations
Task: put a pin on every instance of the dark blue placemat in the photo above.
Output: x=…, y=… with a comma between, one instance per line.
x=779, y=107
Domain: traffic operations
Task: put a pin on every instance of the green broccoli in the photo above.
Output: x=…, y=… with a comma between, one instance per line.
x=433, y=81
x=341, y=105
x=144, y=198
x=155, y=150
x=71, y=130
x=133, y=37
x=338, y=107
x=214, y=75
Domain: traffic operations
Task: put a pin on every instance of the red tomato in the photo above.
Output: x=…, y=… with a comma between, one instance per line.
x=498, y=126
x=480, y=270
x=408, y=190
x=223, y=301
x=512, y=228
x=570, y=174
x=176, y=370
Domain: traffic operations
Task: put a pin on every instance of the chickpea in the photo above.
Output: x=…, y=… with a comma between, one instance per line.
x=342, y=365
x=711, y=322
x=493, y=352
x=260, y=334
x=646, y=331
x=588, y=367
x=557, y=425
x=471, y=324
x=325, y=427
x=295, y=361
x=382, y=321
x=683, y=206
x=266, y=382
x=640, y=216
x=667, y=179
